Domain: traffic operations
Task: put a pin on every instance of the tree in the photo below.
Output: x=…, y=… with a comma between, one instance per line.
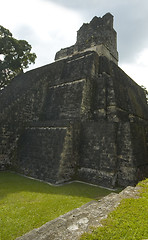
x=15, y=55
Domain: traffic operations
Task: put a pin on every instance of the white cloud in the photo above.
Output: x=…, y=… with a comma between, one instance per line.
x=48, y=27
x=143, y=58
x=138, y=70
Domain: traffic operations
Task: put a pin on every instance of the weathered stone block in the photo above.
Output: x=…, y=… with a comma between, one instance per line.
x=39, y=152
x=80, y=117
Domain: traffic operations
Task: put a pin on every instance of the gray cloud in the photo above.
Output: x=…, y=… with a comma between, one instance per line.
x=77, y=4
x=85, y=5
x=131, y=19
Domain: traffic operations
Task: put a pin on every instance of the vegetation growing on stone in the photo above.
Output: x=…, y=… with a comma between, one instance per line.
x=129, y=221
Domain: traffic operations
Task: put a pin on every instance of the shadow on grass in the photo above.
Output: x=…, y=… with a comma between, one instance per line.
x=26, y=204
x=12, y=183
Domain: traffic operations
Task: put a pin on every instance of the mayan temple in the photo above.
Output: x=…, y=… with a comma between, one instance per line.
x=78, y=118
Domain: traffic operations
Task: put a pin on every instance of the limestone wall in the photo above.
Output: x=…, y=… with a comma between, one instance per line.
x=78, y=118
x=98, y=36
x=39, y=152
x=98, y=153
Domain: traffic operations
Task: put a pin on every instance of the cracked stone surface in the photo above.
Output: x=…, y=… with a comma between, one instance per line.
x=72, y=224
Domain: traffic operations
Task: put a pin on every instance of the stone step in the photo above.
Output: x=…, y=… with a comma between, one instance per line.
x=71, y=225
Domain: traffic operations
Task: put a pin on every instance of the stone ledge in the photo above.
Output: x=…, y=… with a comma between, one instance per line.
x=71, y=225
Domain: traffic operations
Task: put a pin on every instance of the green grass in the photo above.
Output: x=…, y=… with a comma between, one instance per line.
x=129, y=221
x=26, y=204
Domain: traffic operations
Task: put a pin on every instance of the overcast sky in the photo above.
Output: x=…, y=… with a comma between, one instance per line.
x=49, y=25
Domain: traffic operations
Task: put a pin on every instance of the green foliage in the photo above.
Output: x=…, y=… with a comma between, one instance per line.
x=129, y=221
x=15, y=55
x=26, y=204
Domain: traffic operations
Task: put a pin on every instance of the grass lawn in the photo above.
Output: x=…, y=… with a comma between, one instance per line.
x=26, y=204
x=129, y=221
